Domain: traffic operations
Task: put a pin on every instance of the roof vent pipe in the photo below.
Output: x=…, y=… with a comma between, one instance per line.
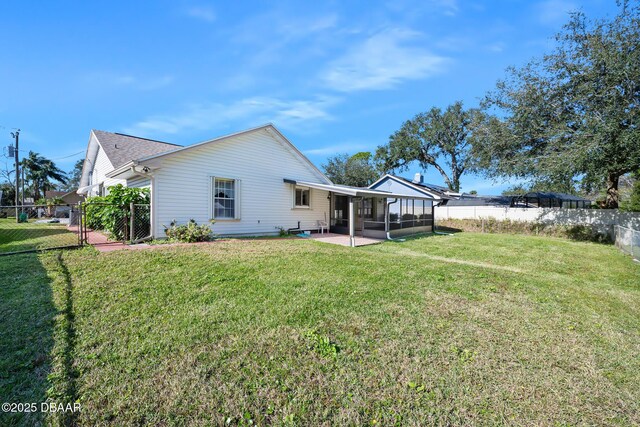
x=417, y=178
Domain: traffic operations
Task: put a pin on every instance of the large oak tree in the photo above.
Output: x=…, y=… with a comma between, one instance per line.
x=574, y=113
x=436, y=138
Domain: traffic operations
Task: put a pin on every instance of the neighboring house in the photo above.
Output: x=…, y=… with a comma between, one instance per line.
x=468, y=200
x=407, y=213
x=250, y=183
x=68, y=197
x=528, y=200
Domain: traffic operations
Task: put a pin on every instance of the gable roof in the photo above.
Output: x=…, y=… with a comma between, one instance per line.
x=355, y=191
x=121, y=148
x=422, y=188
x=270, y=128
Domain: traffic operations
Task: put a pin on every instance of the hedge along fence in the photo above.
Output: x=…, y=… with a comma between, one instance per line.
x=112, y=213
x=578, y=232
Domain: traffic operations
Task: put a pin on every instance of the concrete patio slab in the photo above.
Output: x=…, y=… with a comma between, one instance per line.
x=343, y=240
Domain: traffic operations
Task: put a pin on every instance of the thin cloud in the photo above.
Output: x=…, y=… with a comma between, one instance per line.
x=383, y=61
x=204, y=13
x=129, y=81
x=448, y=7
x=296, y=114
x=349, y=147
x=553, y=12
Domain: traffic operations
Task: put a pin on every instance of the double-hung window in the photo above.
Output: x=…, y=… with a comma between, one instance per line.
x=225, y=198
x=301, y=198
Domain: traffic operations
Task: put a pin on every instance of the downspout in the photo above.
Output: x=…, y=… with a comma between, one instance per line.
x=433, y=219
x=386, y=222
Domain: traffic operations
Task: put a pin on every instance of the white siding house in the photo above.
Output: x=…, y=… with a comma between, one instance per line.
x=253, y=182
x=253, y=166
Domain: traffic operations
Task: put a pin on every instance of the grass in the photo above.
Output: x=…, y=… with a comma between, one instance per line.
x=26, y=236
x=465, y=329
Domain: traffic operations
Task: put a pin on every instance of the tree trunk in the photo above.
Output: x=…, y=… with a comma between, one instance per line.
x=456, y=183
x=611, y=201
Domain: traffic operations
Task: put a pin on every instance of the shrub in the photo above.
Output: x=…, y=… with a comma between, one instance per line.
x=189, y=233
x=112, y=212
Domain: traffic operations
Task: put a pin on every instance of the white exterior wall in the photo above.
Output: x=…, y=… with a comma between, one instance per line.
x=398, y=188
x=182, y=186
x=139, y=182
x=101, y=167
x=602, y=219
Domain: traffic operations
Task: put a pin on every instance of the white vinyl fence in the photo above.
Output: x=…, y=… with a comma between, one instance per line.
x=602, y=220
x=628, y=241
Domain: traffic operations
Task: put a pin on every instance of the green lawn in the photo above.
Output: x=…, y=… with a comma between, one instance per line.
x=468, y=329
x=16, y=237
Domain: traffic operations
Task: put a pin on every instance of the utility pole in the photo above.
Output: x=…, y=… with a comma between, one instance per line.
x=22, y=191
x=16, y=135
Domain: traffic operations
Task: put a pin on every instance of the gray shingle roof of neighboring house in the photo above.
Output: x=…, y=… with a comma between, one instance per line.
x=551, y=195
x=481, y=201
x=121, y=148
x=435, y=188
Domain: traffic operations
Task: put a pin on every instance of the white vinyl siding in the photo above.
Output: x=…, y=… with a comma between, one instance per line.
x=101, y=167
x=139, y=182
x=260, y=162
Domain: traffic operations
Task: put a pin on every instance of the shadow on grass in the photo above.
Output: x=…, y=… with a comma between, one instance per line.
x=37, y=341
x=64, y=388
x=27, y=318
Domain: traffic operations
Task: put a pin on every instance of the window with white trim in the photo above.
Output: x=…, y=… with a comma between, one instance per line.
x=301, y=198
x=224, y=198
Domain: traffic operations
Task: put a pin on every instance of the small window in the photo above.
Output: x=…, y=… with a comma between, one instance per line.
x=224, y=198
x=302, y=198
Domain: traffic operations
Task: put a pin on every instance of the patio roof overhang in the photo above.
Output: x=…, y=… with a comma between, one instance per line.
x=346, y=190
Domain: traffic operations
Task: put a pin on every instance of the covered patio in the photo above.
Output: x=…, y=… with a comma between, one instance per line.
x=376, y=215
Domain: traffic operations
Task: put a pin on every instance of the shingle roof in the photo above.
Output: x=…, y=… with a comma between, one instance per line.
x=432, y=187
x=121, y=148
x=551, y=195
x=481, y=201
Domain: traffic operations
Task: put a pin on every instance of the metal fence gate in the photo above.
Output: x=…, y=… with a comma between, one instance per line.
x=33, y=228
x=104, y=223
x=628, y=241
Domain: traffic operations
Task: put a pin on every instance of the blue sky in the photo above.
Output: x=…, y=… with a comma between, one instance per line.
x=333, y=76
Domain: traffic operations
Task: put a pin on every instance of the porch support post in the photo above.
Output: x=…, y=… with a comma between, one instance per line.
x=352, y=223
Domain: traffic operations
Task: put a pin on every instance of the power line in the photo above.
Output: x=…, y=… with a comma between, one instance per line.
x=70, y=155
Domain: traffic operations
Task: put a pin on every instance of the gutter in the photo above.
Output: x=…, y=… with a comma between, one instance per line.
x=387, y=224
x=121, y=169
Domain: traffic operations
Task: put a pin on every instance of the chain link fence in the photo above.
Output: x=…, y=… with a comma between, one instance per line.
x=628, y=241
x=112, y=223
x=140, y=223
x=38, y=227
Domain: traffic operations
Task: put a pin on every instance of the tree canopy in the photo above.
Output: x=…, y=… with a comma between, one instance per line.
x=357, y=170
x=573, y=114
x=436, y=138
x=40, y=171
x=74, y=176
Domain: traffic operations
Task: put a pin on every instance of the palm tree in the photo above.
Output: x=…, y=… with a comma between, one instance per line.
x=40, y=170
